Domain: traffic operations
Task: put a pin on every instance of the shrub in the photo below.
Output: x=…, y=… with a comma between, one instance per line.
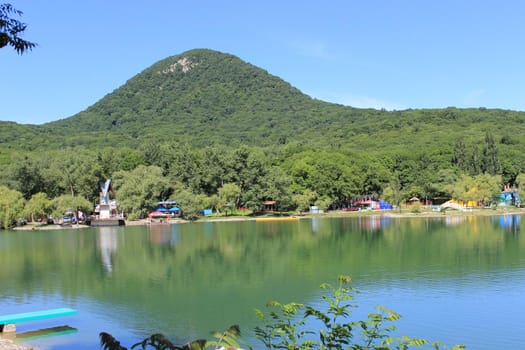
x=285, y=327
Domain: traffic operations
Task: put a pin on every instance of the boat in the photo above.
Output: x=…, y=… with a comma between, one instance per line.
x=277, y=218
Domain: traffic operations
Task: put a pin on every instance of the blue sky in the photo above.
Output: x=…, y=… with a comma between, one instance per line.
x=393, y=54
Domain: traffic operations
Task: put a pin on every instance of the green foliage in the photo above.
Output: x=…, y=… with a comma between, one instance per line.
x=26, y=175
x=11, y=206
x=393, y=192
x=160, y=342
x=276, y=186
x=190, y=203
x=68, y=202
x=281, y=329
x=482, y=188
x=304, y=200
x=39, y=206
x=155, y=341
x=140, y=189
x=286, y=329
x=11, y=29
x=415, y=207
x=229, y=197
x=205, y=98
x=229, y=339
x=490, y=163
x=207, y=119
x=520, y=181
x=108, y=342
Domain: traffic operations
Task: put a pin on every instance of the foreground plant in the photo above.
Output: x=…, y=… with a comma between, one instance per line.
x=286, y=328
x=228, y=339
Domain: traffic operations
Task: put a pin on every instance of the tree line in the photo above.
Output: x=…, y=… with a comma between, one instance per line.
x=226, y=178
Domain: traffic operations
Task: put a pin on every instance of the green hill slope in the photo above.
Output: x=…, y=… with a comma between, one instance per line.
x=204, y=119
x=200, y=97
x=204, y=97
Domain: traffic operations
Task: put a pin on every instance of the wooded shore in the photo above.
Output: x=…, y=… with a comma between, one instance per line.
x=331, y=214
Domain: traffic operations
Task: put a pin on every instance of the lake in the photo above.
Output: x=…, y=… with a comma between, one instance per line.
x=457, y=279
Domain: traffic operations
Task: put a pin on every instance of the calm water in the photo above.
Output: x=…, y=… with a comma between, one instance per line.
x=458, y=280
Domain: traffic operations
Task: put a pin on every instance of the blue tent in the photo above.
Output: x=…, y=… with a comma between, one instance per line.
x=206, y=212
x=161, y=209
x=174, y=210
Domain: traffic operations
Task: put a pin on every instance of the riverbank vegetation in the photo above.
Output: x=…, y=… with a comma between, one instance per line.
x=229, y=179
x=291, y=326
x=211, y=131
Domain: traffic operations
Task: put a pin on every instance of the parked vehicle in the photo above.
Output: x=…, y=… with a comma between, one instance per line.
x=69, y=220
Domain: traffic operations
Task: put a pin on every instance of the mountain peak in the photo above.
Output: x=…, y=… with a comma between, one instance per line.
x=193, y=94
x=184, y=64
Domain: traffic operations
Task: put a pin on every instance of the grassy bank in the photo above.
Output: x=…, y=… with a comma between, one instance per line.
x=422, y=212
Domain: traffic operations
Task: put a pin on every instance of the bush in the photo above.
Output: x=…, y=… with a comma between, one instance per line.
x=415, y=208
x=285, y=327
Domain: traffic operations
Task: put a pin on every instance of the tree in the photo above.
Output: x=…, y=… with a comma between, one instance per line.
x=393, y=193
x=249, y=170
x=464, y=189
x=304, y=200
x=229, y=196
x=443, y=185
x=488, y=188
x=331, y=175
x=68, y=202
x=140, y=189
x=490, y=162
x=277, y=188
x=460, y=158
x=475, y=160
x=11, y=205
x=214, y=169
x=482, y=188
x=39, y=206
x=520, y=181
x=375, y=175
x=11, y=29
x=190, y=203
x=27, y=176
x=324, y=202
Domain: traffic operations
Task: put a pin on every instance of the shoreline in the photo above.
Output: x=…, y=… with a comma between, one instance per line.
x=402, y=214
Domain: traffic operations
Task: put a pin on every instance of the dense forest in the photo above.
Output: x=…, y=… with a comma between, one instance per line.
x=209, y=130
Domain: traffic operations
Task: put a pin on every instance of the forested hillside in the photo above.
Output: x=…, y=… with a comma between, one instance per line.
x=204, y=97
x=206, y=119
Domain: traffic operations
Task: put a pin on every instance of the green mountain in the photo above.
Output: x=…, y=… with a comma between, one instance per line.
x=203, y=97
x=204, y=119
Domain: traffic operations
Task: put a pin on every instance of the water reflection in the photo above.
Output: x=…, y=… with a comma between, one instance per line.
x=164, y=234
x=108, y=246
x=509, y=222
x=453, y=220
x=187, y=279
